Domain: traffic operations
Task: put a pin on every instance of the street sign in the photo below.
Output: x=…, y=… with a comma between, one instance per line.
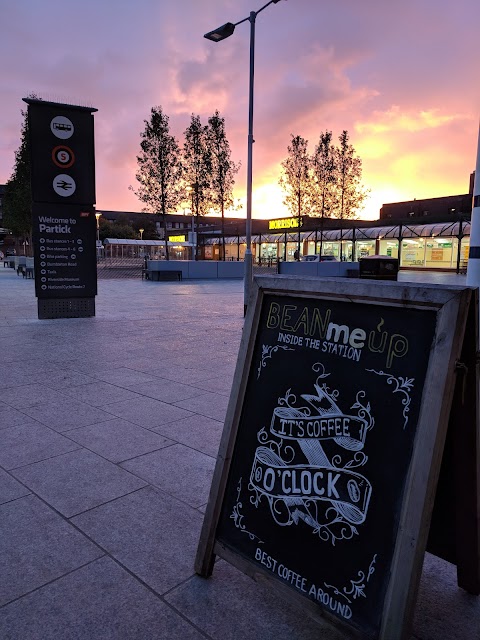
x=61, y=172
x=64, y=248
x=62, y=160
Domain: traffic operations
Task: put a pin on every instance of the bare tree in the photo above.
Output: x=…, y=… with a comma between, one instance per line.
x=197, y=165
x=223, y=169
x=159, y=169
x=351, y=193
x=297, y=182
x=323, y=165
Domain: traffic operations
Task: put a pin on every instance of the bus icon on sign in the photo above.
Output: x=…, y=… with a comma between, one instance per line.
x=62, y=127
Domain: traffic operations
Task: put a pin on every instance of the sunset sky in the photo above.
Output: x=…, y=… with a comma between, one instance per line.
x=401, y=77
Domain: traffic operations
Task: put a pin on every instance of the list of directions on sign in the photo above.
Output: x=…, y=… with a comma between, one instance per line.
x=64, y=251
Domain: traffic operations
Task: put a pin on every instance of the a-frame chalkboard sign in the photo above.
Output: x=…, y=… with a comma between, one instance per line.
x=328, y=466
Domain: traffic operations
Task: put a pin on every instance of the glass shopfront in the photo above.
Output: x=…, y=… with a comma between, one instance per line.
x=388, y=247
x=329, y=248
x=427, y=246
x=413, y=252
x=364, y=248
x=440, y=252
x=268, y=252
x=432, y=253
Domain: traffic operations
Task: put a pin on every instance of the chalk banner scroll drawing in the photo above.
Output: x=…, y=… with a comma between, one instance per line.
x=329, y=494
x=325, y=425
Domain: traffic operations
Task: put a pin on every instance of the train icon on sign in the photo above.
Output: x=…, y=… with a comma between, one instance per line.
x=64, y=185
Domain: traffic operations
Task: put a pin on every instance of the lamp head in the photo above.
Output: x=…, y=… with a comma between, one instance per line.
x=225, y=31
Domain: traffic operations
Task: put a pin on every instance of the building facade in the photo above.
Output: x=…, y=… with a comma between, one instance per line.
x=431, y=234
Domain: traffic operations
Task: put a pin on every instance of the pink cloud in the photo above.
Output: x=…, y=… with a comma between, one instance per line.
x=372, y=68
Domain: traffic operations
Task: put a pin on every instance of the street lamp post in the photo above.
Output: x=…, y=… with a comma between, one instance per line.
x=141, y=233
x=473, y=266
x=195, y=206
x=97, y=216
x=193, y=189
x=217, y=35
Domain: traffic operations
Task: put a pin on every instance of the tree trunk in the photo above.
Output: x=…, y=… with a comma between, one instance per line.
x=166, y=235
x=299, y=225
x=223, y=232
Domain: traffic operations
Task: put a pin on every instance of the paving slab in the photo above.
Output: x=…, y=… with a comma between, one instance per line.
x=185, y=375
x=152, y=534
x=443, y=610
x=66, y=379
x=231, y=606
x=27, y=395
x=178, y=470
x=167, y=390
x=147, y=412
x=67, y=414
x=20, y=446
x=10, y=417
x=93, y=365
x=124, y=377
x=100, y=394
x=10, y=489
x=77, y=481
x=98, y=601
x=37, y=546
x=118, y=440
x=221, y=385
x=10, y=378
x=212, y=405
x=198, y=432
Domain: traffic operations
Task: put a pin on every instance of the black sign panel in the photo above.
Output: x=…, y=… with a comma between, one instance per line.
x=64, y=246
x=62, y=149
x=324, y=444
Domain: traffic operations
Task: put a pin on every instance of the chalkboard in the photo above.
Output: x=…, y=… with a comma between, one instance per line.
x=331, y=451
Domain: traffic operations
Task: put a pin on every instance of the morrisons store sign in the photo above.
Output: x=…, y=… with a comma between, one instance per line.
x=284, y=223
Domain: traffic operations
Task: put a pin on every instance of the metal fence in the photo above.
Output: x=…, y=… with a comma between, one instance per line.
x=108, y=268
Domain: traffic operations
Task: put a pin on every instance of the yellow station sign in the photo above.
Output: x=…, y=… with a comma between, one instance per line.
x=284, y=223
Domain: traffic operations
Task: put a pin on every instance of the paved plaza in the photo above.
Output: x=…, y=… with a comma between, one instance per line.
x=109, y=429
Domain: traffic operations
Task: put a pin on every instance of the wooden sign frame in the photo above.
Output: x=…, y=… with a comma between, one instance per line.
x=451, y=306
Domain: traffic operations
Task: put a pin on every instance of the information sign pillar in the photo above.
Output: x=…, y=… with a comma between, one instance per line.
x=63, y=213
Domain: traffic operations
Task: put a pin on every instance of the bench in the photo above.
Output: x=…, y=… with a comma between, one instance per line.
x=28, y=272
x=162, y=275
